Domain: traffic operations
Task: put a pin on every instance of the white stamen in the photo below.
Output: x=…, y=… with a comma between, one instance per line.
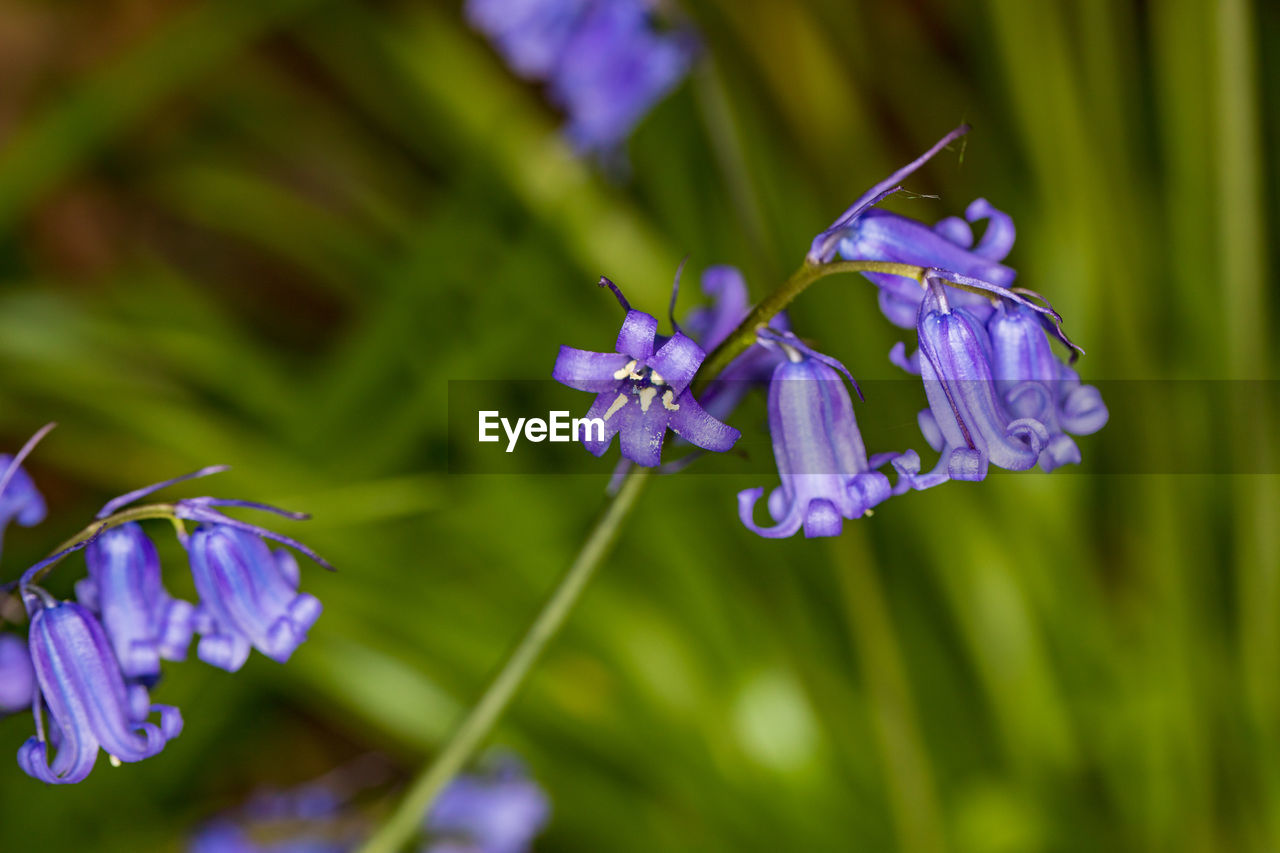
x=646, y=396
x=656, y=378
x=617, y=404
x=626, y=370
x=115, y=762
x=669, y=401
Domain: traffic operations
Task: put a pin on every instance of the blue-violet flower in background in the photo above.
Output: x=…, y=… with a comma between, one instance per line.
x=499, y=812
x=20, y=501
x=530, y=34
x=89, y=705
x=642, y=390
x=822, y=461
x=144, y=622
x=17, y=678
x=710, y=325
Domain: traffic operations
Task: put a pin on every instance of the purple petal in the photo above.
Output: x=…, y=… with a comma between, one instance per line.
x=692, y=423
x=584, y=370
x=997, y=240
x=635, y=339
x=677, y=361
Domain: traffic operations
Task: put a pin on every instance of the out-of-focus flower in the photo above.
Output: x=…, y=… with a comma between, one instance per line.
x=605, y=62
x=248, y=597
x=710, y=325
x=642, y=390
x=20, y=501
x=826, y=476
x=500, y=812
x=144, y=622
x=83, y=690
x=616, y=66
x=17, y=678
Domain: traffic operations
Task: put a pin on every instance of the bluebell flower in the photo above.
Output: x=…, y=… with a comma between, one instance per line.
x=864, y=233
x=531, y=35
x=1033, y=383
x=20, y=500
x=89, y=705
x=822, y=461
x=248, y=596
x=500, y=812
x=967, y=420
x=710, y=325
x=17, y=678
x=615, y=67
x=144, y=622
x=642, y=390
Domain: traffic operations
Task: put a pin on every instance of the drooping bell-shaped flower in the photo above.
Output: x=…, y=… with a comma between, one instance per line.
x=500, y=812
x=1033, y=383
x=145, y=623
x=822, y=461
x=967, y=420
x=642, y=390
x=248, y=597
x=865, y=233
x=710, y=325
x=616, y=66
x=85, y=694
x=531, y=35
x=17, y=678
x=20, y=501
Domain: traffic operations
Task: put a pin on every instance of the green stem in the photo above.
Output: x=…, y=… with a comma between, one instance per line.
x=406, y=821
x=745, y=335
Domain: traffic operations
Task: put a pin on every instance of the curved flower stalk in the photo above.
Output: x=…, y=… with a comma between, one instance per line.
x=144, y=622
x=710, y=325
x=1033, y=383
x=84, y=691
x=642, y=390
x=826, y=476
x=500, y=812
x=248, y=597
x=17, y=678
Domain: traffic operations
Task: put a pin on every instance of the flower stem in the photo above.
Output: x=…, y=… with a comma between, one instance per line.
x=745, y=335
x=406, y=821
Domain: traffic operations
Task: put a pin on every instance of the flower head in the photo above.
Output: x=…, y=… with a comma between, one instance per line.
x=642, y=390
x=967, y=421
x=20, y=500
x=822, y=461
x=17, y=678
x=248, y=597
x=500, y=812
x=1033, y=383
x=89, y=704
x=144, y=623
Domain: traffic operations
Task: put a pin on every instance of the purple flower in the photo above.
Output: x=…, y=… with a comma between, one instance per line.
x=1032, y=383
x=531, y=35
x=20, y=500
x=497, y=813
x=225, y=836
x=85, y=693
x=143, y=621
x=642, y=391
x=615, y=67
x=709, y=326
x=248, y=596
x=826, y=476
x=17, y=678
x=967, y=421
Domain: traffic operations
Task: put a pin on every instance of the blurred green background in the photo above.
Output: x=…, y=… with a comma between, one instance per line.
x=269, y=232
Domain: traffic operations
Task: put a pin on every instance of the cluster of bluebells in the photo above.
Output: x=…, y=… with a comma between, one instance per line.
x=604, y=62
x=88, y=666
x=500, y=810
x=996, y=392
